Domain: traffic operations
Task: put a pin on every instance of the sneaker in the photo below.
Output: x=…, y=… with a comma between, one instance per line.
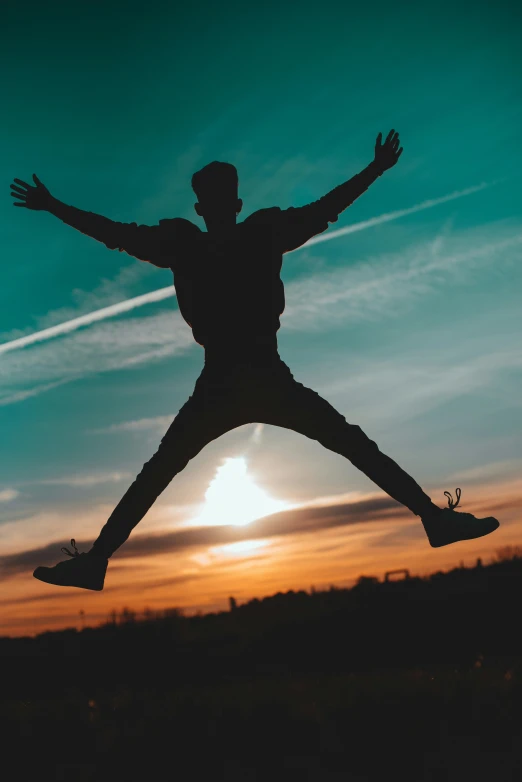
x=83, y=570
x=448, y=525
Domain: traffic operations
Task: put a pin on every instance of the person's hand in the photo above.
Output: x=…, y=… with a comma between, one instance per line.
x=31, y=196
x=387, y=154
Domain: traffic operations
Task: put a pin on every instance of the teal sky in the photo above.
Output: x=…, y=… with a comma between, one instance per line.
x=410, y=327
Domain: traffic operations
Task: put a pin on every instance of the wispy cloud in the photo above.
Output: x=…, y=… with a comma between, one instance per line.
x=95, y=479
x=257, y=433
x=141, y=424
x=490, y=473
x=7, y=495
x=396, y=389
x=368, y=290
x=106, y=347
x=20, y=396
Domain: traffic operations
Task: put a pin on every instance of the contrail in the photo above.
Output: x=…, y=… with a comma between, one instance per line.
x=90, y=317
x=384, y=218
x=164, y=293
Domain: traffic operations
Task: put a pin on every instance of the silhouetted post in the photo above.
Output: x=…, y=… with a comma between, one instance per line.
x=402, y=571
x=232, y=602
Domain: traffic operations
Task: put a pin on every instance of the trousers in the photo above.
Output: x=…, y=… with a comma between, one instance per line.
x=229, y=394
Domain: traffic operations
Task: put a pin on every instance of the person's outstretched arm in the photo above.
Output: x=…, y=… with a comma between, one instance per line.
x=341, y=197
x=145, y=242
x=298, y=225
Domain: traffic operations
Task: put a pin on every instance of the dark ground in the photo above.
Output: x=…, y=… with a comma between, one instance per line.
x=415, y=680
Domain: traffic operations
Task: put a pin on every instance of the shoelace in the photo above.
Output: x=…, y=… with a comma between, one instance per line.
x=452, y=505
x=70, y=553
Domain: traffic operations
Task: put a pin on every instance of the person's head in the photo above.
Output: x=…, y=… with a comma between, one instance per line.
x=216, y=186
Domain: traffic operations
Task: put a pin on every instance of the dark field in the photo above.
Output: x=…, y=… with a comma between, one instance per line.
x=413, y=680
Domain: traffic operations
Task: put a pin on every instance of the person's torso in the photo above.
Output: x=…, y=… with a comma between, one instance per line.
x=230, y=288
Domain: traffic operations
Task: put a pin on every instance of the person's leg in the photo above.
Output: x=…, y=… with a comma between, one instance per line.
x=214, y=408
x=294, y=406
x=207, y=415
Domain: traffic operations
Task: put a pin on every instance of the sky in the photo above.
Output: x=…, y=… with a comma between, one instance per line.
x=405, y=315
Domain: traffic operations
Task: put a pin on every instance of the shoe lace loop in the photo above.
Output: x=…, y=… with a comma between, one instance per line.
x=70, y=553
x=451, y=504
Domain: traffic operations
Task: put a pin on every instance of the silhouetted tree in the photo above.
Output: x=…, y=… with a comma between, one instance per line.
x=127, y=616
x=507, y=553
x=367, y=581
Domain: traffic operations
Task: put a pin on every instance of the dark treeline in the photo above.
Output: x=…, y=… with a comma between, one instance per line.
x=464, y=617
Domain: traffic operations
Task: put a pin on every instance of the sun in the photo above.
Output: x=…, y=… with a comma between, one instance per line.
x=234, y=498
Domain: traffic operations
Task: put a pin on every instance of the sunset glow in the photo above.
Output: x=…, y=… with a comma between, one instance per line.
x=234, y=498
x=243, y=548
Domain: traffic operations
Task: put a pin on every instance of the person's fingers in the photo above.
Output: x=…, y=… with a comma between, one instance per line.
x=388, y=137
x=21, y=182
x=399, y=153
x=395, y=143
x=19, y=195
x=36, y=179
x=379, y=140
x=19, y=189
x=17, y=204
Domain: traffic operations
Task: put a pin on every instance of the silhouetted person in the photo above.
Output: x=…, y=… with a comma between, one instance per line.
x=230, y=293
